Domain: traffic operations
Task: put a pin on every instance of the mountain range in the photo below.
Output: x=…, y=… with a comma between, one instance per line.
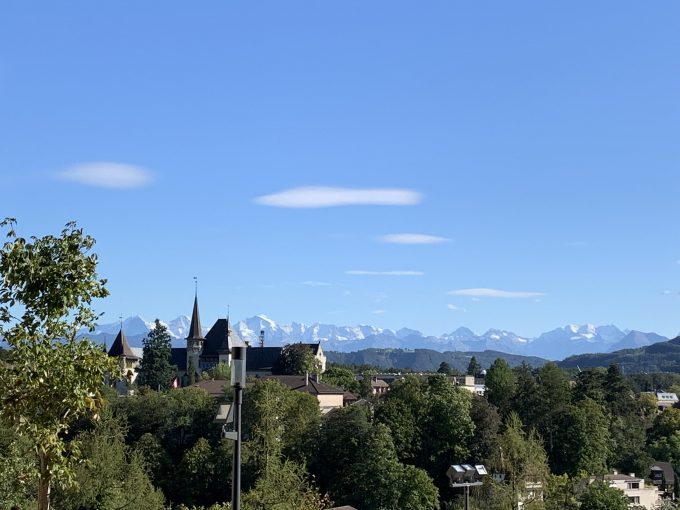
x=556, y=344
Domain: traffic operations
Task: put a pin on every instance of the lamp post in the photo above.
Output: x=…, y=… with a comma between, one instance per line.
x=466, y=476
x=238, y=382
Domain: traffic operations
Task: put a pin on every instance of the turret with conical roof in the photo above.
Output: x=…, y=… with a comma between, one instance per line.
x=121, y=349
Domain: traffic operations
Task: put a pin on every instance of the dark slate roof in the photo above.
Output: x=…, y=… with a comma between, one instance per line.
x=195, y=331
x=260, y=359
x=297, y=382
x=178, y=357
x=224, y=346
x=215, y=338
x=667, y=469
x=314, y=347
x=120, y=347
x=214, y=387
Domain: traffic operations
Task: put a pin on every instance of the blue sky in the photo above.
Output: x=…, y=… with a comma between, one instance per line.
x=529, y=149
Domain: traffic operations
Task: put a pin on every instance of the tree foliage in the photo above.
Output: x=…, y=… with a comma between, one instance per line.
x=297, y=359
x=600, y=496
x=52, y=378
x=155, y=369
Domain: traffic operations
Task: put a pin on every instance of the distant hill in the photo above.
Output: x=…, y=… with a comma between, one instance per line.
x=658, y=357
x=421, y=360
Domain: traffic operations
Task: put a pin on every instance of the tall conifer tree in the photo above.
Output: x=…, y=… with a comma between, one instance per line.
x=155, y=368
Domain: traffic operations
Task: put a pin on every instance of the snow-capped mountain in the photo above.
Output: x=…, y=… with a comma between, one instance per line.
x=575, y=339
x=556, y=344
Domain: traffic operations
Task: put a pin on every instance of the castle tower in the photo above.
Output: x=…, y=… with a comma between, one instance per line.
x=127, y=359
x=195, y=340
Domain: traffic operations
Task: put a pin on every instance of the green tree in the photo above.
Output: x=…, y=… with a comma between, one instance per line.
x=445, y=368
x=358, y=465
x=17, y=470
x=155, y=370
x=296, y=359
x=522, y=458
x=474, y=368
x=286, y=486
x=342, y=377
x=553, y=396
x=221, y=371
x=280, y=422
x=500, y=383
x=52, y=378
x=113, y=475
x=600, y=496
x=560, y=493
x=487, y=423
x=583, y=441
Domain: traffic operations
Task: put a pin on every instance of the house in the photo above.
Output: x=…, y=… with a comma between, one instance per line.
x=633, y=487
x=378, y=386
x=329, y=397
x=471, y=383
x=665, y=400
x=663, y=478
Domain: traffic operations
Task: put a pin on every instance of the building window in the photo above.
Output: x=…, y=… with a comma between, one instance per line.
x=634, y=499
x=633, y=485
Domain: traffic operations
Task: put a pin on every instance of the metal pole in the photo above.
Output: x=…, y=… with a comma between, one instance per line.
x=236, y=469
x=467, y=497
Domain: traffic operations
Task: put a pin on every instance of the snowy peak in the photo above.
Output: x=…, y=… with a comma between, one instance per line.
x=558, y=343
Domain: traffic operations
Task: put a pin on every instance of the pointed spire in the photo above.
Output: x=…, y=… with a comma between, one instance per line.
x=120, y=347
x=195, y=331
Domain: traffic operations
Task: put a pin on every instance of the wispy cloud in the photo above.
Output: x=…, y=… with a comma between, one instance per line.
x=322, y=196
x=107, y=175
x=670, y=292
x=455, y=308
x=378, y=312
x=495, y=293
x=385, y=273
x=312, y=283
x=412, y=239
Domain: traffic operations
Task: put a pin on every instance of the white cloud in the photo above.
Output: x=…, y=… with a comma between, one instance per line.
x=476, y=299
x=670, y=292
x=378, y=312
x=494, y=293
x=412, y=239
x=107, y=175
x=323, y=196
x=385, y=273
x=312, y=283
x=455, y=308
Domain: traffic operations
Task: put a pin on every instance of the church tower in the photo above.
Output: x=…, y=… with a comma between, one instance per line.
x=195, y=341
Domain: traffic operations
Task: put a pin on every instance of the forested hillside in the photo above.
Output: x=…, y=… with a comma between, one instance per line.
x=427, y=360
x=659, y=357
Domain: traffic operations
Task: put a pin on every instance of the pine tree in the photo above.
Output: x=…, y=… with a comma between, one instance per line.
x=474, y=368
x=155, y=368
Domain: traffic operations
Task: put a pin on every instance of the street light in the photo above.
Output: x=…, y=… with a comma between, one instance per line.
x=466, y=476
x=238, y=382
x=231, y=414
